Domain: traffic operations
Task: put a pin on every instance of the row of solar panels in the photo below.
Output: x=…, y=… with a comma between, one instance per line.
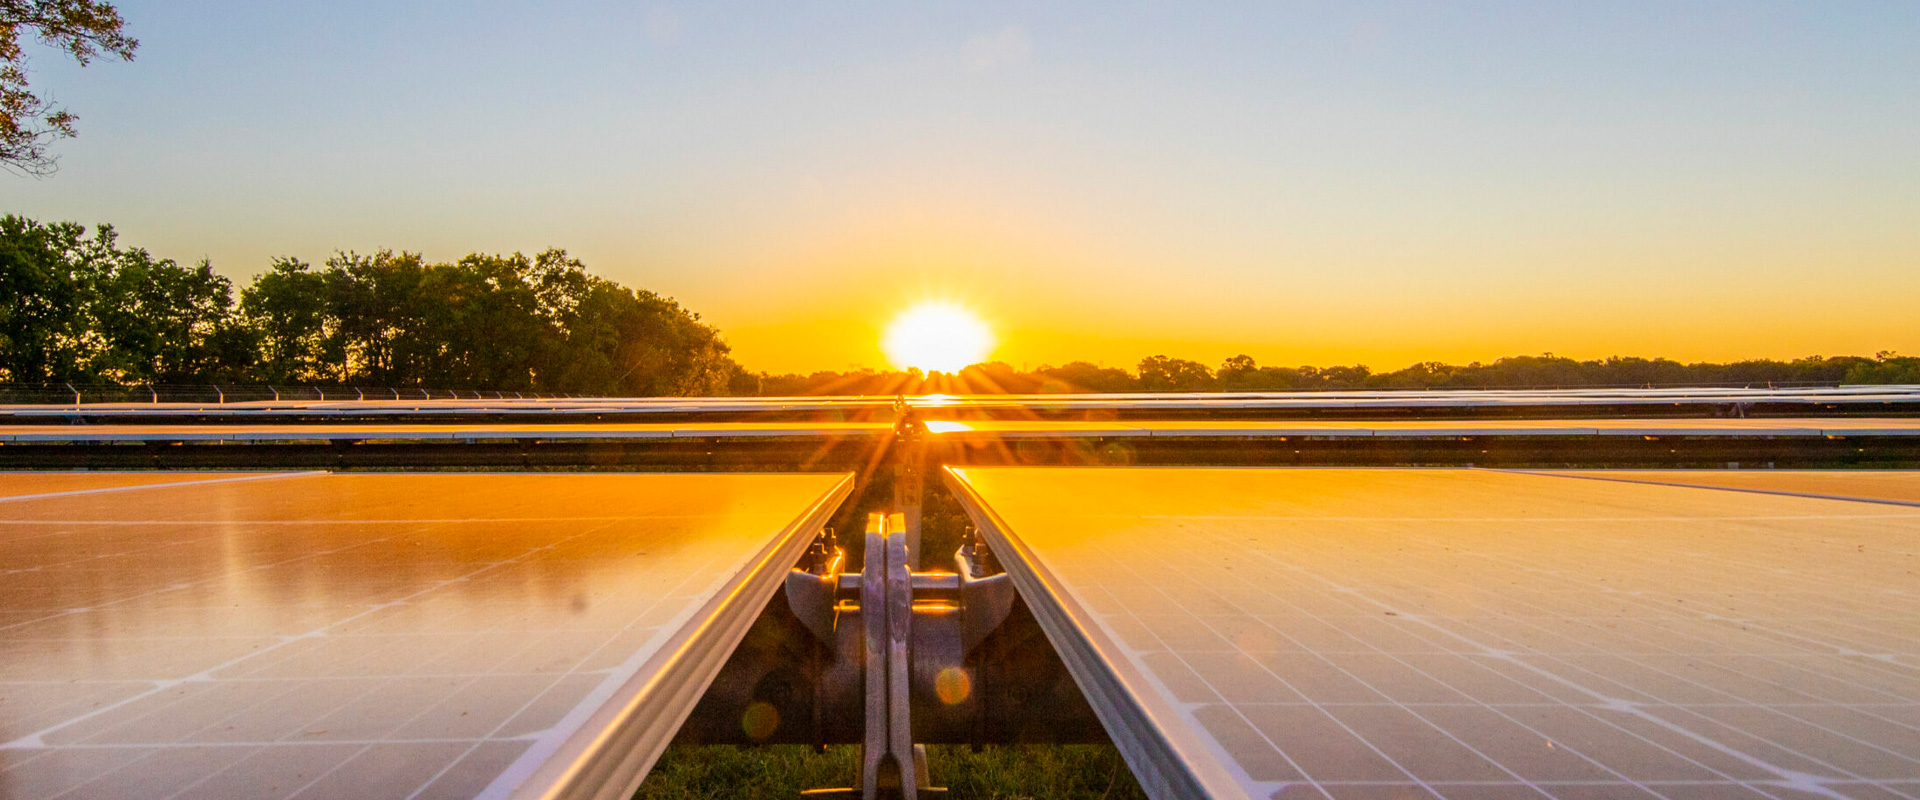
x=980, y=429
x=1211, y=401
x=1240, y=632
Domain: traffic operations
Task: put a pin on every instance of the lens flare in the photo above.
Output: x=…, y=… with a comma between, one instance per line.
x=937, y=337
x=953, y=685
x=760, y=720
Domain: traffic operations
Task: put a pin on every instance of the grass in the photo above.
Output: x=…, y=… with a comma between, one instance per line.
x=997, y=772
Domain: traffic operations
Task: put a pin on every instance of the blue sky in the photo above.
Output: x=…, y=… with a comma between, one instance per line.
x=1307, y=183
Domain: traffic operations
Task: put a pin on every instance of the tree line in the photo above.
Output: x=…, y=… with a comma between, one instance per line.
x=1242, y=374
x=77, y=306
x=82, y=308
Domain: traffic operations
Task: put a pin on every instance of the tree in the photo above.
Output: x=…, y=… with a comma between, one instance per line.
x=286, y=307
x=40, y=321
x=1239, y=374
x=1084, y=376
x=82, y=308
x=82, y=28
x=1163, y=374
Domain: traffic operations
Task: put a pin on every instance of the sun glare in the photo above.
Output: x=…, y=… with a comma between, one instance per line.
x=937, y=337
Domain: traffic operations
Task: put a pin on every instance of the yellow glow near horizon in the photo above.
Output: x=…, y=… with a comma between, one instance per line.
x=937, y=337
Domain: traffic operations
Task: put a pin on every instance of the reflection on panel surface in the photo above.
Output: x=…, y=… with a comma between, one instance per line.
x=352, y=635
x=1460, y=633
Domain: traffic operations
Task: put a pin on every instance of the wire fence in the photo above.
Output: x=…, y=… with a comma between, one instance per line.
x=92, y=393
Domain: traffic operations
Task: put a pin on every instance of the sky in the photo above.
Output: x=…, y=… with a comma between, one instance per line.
x=1305, y=183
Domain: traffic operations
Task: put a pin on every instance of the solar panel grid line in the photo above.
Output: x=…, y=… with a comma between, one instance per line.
x=1665, y=723
x=1750, y=623
x=554, y=667
x=629, y=667
x=611, y=762
x=36, y=739
x=155, y=485
x=1365, y=741
x=1689, y=733
x=1191, y=663
x=210, y=776
x=1164, y=760
x=1694, y=481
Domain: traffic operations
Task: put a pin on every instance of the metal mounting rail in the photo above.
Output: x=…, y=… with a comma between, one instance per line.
x=1166, y=756
x=611, y=755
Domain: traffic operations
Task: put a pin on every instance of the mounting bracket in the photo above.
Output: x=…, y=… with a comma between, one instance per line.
x=914, y=629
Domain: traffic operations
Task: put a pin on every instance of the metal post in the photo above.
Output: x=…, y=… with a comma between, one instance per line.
x=874, y=758
x=909, y=476
x=908, y=762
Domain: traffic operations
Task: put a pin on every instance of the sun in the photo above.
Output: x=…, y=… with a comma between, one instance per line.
x=937, y=337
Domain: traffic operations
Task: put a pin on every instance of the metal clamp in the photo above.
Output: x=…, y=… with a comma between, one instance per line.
x=915, y=630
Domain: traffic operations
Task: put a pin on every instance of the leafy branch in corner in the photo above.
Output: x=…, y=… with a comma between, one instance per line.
x=84, y=29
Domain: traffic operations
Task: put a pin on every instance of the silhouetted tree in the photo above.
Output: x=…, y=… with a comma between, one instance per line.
x=1163, y=374
x=82, y=28
x=80, y=308
x=287, y=307
x=42, y=326
x=1083, y=376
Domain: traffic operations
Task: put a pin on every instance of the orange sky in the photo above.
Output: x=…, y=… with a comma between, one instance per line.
x=1304, y=183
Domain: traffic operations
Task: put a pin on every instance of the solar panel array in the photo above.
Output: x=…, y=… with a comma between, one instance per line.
x=1865, y=395
x=978, y=429
x=365, y=635
x=1298, y=633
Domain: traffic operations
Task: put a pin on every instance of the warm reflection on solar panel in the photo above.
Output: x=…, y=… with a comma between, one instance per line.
x=1462, y=633
x=365, y=635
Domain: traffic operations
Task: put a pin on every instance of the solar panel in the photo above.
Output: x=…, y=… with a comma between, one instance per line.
x=434, y=432
x=373, y=405
x=1281, y=633
x=1773, y=427
x=376, y=635
x=988, y=428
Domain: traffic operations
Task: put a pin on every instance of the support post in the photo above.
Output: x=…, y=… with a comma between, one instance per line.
x=909, y=474
x=891, y=765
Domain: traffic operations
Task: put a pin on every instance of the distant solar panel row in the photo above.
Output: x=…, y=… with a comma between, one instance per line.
x=1439, y=398
x=978, y=429
x=1477, y=634
x=324, y=636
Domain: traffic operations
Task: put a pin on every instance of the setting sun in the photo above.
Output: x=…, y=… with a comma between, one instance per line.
x=937, y=337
